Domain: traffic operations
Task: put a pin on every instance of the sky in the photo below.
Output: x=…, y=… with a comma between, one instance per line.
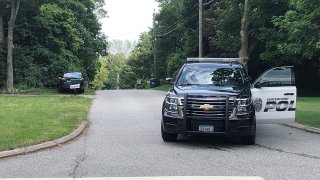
x=128, y=18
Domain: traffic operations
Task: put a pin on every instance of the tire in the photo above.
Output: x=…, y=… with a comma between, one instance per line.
x=251, y=139
x=167, y=137
x=81, y=90
x=59, y=89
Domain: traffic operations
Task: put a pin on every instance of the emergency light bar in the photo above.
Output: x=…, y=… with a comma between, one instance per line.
x=229, y=60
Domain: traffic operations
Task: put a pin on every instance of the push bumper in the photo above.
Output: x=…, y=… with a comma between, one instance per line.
x=235, y=128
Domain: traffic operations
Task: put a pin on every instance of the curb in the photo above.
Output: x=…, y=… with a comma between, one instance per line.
x=303, y=127
x=45, y=145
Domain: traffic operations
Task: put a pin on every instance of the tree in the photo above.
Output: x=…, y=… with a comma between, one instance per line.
x=244, y=34
x=3, y=8
x=301, y=27
x=15, y=4
x=101, y=77
x=52, y=37
x=117, y=46
x=141, y=57
x=1, y=28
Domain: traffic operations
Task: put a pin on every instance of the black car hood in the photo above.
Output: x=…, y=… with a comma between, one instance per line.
x=212, y=90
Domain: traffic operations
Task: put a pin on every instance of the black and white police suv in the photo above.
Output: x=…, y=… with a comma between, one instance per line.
x=213, y=96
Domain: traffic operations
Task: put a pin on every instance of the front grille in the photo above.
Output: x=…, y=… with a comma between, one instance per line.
x=219, y=103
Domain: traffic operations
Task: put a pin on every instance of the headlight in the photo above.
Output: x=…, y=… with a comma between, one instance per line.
x=243, y=104
x=173, y=105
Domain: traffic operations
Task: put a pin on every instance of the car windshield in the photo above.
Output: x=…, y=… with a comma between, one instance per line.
x=212, y=75
x=72, y=75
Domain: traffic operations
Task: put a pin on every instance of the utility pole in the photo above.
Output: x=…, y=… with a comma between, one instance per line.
x=118, y=81
x=154, y=45
x=200, y=28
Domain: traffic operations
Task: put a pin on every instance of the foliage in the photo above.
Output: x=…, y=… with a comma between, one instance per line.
x=101, y=78
x=174, y=63
x=281, y=32
x=140, y=59
x=115, y=62
x=55, y=36
x=127, y=78
x=301, y=27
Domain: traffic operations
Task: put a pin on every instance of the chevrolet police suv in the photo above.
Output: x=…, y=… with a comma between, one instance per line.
x=213, y=96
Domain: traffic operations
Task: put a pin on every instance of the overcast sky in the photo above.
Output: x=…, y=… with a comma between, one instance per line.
x=128, y=18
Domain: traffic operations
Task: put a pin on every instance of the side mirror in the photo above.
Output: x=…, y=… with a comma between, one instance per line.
x=169, y=81
x=248, y=79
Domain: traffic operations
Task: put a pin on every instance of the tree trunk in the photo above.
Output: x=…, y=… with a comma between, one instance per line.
x=244, y=33
x=1, y=29
x=10, y=60
x=14, y=12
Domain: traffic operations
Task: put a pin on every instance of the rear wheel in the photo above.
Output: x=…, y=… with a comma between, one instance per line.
x=59, y=89
x=251, y=139
x=167, y=137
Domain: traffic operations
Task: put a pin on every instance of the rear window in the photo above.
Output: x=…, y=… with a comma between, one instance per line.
x=72, y=75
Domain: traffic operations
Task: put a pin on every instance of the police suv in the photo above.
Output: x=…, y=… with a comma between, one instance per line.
x=213, y=96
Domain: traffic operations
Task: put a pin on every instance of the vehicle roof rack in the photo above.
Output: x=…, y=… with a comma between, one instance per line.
x=224, y=60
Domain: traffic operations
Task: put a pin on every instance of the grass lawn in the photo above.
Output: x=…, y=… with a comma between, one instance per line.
x=165, y=87
x=308, y=111
x=48, y=91
x=34, y=119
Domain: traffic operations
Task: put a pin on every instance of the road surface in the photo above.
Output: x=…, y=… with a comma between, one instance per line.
x=124, y=139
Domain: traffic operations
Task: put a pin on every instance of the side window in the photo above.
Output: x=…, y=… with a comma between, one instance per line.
x=280, y=76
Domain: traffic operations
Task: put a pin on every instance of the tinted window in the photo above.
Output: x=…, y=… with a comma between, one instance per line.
x=281, y=76
x=72, y=75
x=210, y=75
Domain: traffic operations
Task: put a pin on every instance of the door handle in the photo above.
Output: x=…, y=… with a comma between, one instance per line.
x=288, y=94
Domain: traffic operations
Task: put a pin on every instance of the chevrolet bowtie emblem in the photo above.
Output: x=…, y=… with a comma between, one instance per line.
x=206, y=107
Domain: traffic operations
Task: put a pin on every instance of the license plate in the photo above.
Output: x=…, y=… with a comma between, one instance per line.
x=75, y=86
x=206, y=128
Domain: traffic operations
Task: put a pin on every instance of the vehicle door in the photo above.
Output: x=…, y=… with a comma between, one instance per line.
x=274, y=96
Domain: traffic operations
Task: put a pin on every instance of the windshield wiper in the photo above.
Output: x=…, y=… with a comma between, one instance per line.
x=188, y=84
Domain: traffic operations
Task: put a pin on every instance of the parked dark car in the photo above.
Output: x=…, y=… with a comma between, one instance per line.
x=71, y=81
x=154, y=82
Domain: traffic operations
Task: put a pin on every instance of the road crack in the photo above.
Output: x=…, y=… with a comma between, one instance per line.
x=80, y=158
x=287, y=152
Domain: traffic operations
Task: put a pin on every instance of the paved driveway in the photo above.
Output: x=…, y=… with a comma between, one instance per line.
x=124, y=140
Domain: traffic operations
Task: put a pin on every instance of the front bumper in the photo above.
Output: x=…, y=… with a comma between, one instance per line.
x=235, y=128
x=226, y=125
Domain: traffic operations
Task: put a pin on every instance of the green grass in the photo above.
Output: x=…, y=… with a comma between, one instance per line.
x=49, y=91
x=308, y=111
x=165, y=87
x=27, y=120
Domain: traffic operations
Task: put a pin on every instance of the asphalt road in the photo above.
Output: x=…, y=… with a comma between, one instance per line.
x=124, y=140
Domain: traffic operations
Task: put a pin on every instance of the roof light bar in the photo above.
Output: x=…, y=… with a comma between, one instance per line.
x=229, y=60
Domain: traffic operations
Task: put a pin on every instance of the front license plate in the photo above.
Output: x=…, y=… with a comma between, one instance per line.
x=206, y=128
x=75, y=86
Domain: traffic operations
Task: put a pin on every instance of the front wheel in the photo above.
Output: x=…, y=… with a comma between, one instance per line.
x=251, y=139
x=167, y=137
